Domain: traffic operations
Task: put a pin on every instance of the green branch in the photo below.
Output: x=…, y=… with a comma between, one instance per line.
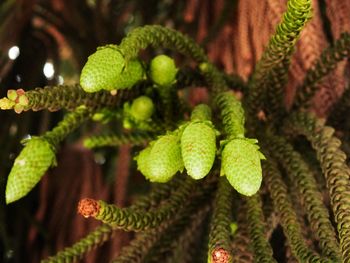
x=334, y=167
x=105, y=232
x=289, y=221
x=270, y=76
x=76, y=252
x=54, y=98
x=38, y=155
x=157, y=36
x=311, y=197
x=328, y=60
x=118, y=139
x=257, y=230
x=134, y=220
x=220, y=231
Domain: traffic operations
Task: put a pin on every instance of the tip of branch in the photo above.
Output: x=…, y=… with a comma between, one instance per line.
x=220, y=255
x=18, y=108
x=16, y=99
x=88, y=207
x=23, y=100
x=6, y=104
x=12, y=94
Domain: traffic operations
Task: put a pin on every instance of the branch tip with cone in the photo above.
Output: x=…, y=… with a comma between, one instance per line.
x=88, y=207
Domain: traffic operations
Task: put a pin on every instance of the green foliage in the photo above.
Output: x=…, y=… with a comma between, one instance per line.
x=309, y=193
x=95, y=238
x=335, y=170
x=130, y=219
x=150, y=244
x=138, y=115
x=232, y=114
x=118, y=139
x=189, y=146
x=220, y=225
x=158, y=36
x=257, y=230
x=104, y=232
x=68, y=97
x=215, y=79
x=289, y=220
x=270, y=75
x=71, y=121
x=329, y=59
x=240, y=157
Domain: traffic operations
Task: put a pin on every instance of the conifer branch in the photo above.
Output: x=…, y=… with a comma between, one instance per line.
x=334, y=168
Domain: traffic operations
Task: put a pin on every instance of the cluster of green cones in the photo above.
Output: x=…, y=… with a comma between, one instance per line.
x=193, y=146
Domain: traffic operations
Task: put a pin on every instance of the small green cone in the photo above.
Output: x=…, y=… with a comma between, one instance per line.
x=106, y=69
x=241, y=165
x=198, y=148
x=142, y=108
x=34, y=160
x=143, y=160
x=163, y=70
x=164, y=160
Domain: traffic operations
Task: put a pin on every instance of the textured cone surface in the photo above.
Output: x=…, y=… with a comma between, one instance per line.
x=142, y=108
x=107, y=69
x=142, y=161
x=164, y=159
x=198, y=147
x=201, y=112
x=241, y=165
x=130, y=75
x=30, y=165
x=163, y=70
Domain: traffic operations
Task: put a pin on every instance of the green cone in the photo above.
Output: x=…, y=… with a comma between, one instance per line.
x=106, y=69
x=241, y=165
x=164, y=159
x=198, y=148
x=31, y=164
x=142, y=108
x=163, y=70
